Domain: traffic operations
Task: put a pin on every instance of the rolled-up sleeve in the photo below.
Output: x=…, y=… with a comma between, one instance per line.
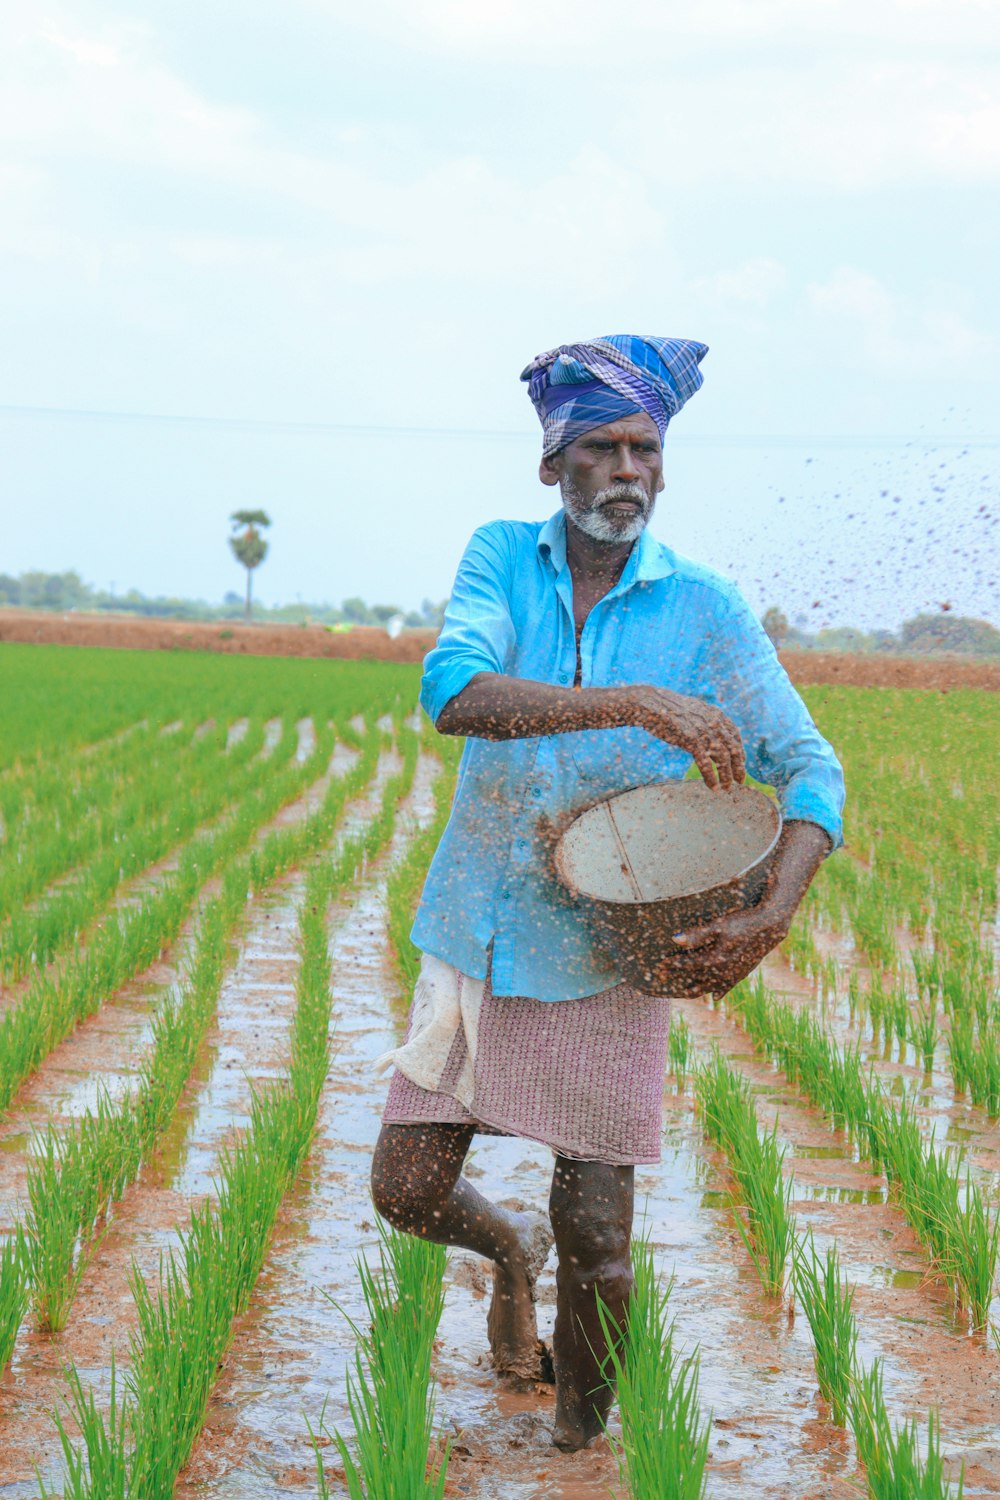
x=478, y=632
x=784, y=749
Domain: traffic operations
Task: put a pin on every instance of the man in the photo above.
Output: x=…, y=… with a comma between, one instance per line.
x=579, y=657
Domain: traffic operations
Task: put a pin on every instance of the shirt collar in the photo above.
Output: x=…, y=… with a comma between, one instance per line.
x=649, y=559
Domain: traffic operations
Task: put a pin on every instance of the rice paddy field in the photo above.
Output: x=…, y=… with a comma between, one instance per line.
x=208, y=868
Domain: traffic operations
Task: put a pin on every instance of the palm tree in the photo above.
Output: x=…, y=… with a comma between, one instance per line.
x=248, y=546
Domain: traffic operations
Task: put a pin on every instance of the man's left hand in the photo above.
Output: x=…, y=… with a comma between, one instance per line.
x=713, y=958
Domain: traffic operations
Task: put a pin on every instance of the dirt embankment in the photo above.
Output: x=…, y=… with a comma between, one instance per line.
x=941, y=674
x=139, y=634
x=365, y=642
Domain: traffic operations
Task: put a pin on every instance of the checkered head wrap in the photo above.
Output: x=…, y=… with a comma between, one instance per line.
x=581, y=386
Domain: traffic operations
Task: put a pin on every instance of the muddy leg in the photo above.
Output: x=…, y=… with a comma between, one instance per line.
x=591, y=1208
x=417, y=1186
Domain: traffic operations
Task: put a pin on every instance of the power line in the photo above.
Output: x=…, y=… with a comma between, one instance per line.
x=333, y=429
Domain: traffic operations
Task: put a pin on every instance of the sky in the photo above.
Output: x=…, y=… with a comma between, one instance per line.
x=295, y=257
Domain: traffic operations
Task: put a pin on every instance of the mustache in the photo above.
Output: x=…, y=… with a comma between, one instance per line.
x=633, y=492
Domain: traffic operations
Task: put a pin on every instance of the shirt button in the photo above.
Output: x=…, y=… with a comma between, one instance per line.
x=505, y=895
x=522, y=843
x=536, y=791
x=564, y=677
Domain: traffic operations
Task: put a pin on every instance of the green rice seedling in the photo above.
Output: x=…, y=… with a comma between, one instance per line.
x=898, y=1016
x=926, y=974
x=14, y=1292
x=878, y=1008
x=679, y=1049
x=923, y=1032
x=962, y=1050
x=663, y=1447
x=974, y=1249
x=828, y=1305
x=871, y=919
x=726, y=1105
x=390, y=1391
x=98, y=1471
x=974, y=1060
x=799, y=947
x=894, y=1469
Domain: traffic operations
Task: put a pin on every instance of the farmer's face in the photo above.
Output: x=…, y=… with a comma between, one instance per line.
x=609, y=478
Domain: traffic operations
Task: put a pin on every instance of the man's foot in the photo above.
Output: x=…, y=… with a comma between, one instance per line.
x=570, y=1435
x=515, y=1348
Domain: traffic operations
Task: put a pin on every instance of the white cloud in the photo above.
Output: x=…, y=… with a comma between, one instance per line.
x=111, y=100
x=869, y=324
x=749, y=287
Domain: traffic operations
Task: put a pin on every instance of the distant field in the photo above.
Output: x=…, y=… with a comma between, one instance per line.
x=943, y=673
x=208, y=865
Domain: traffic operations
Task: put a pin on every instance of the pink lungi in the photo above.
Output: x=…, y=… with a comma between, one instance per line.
x=582, y=1076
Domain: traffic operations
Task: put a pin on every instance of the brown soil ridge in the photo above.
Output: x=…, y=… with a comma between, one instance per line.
x=365, y=642
x=940, y=674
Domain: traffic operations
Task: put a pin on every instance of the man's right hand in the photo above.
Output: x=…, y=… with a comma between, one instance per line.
x=693, y=725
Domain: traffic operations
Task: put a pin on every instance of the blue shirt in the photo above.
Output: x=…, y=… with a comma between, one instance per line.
x=668, y=622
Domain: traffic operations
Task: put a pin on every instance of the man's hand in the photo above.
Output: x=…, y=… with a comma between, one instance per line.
x=713, y=958
x=693, y=725
x=495, y=707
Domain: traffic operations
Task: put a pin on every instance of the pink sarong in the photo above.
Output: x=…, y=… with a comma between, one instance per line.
x=582, y=1076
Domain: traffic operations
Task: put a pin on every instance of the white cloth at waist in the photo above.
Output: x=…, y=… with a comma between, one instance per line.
x=444, y=1000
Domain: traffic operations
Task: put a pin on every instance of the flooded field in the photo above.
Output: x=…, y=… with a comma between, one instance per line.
x=266, y=919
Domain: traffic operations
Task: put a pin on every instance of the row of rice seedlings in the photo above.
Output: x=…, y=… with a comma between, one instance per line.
x=951, y=1218
x=921, y=822
x=406, y=878
x=894, y=1467
x=726, y=1105
x=128, y=943
x=680, y=1049
x=185, y=1324
x=55, y=777
x=45, y=839
x=663, y=1446
x=390, y=1393
x=181, y=802
x=76, y=1174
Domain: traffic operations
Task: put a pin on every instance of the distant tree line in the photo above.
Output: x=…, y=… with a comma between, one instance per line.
x=61, y=592
x=943, y=632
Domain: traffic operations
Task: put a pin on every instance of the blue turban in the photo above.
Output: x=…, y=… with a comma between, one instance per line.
x=581, y=386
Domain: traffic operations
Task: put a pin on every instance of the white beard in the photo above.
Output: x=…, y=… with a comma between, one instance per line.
x=599, y=524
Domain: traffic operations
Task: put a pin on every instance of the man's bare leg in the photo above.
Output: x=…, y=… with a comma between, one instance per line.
x=417, y=1186
x=591, y=1208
